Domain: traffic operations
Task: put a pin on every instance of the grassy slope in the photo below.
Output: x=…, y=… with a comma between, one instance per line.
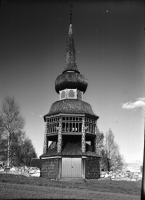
x=12, y=187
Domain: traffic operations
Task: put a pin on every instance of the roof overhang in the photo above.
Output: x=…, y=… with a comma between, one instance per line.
x=47, y=116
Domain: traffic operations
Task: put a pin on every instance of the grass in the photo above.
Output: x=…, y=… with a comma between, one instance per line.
x=17, y=187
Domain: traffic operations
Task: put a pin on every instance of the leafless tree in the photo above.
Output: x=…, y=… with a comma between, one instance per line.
x=11, y=121
x=112, y=157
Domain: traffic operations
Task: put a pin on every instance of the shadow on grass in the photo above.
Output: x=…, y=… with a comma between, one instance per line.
x=45, y=188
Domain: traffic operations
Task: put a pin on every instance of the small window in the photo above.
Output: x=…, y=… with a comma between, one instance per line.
x=71, y=93
x=79, y=95
x=62, y=94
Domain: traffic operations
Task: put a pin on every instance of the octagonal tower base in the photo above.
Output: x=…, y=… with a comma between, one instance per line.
x=70, y=163
x=85, y=167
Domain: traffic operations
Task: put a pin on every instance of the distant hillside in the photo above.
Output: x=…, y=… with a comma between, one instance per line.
x=134, y=166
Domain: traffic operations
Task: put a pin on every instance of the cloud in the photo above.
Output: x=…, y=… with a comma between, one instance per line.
x=40, y=116
x=131, y=105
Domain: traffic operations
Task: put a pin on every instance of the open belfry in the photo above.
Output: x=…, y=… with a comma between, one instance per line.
x=70, y=139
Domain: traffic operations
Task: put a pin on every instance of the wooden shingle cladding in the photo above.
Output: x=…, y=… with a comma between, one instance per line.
x=92, y=167
x=71, y=126
x=53, y=166
x=71, y=77
x=50, y=168
x=70, y=149
x=71, y=106
x=70, y=61
x=71, y=80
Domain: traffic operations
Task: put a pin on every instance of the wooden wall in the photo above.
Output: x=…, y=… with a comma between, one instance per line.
x=50, y=168
x=92, y=168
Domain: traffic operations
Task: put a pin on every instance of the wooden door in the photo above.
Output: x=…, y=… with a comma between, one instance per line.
x=71, y=168
x=66, y=167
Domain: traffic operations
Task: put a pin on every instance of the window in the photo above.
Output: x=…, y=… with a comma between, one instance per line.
x=62, y=94
x=71, y=93
x=79, y=95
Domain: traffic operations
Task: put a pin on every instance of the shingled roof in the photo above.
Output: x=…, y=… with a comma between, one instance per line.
x=69, y=149
x=70, y=61
x=70, y=106
x=71, y=77
x=71, y=80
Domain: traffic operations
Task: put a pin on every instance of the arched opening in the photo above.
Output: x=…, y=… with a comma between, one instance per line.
x=71, y=93
x=62, y=94
x=79, y=95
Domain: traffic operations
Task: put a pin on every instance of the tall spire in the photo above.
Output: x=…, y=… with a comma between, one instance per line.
x=71, y=13
x=70, y=78
x=70, y=60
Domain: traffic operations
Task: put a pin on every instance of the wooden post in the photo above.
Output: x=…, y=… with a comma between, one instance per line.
x=59, y=142
x=95, y=141
x=83, y=136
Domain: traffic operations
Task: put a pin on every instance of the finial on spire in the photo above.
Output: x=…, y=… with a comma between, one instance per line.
x=71, y=6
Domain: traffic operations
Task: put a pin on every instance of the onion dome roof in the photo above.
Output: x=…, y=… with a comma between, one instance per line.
x=70, y=106
x=71, y=77
x=71, y=80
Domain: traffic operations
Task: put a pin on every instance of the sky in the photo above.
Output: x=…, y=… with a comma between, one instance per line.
x=110, y=53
